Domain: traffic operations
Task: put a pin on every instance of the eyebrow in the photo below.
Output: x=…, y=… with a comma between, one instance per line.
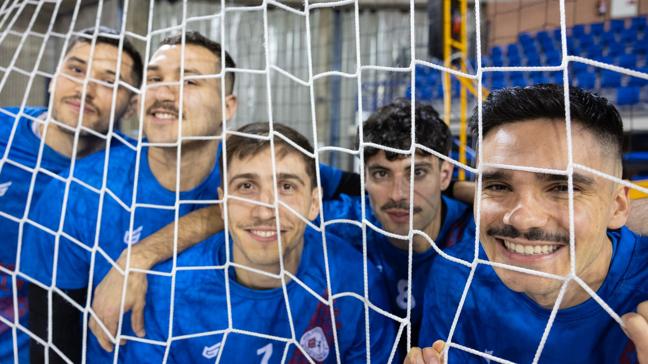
x=291, y=176
x=546, y=177
x=186, y=70
x=244, y=176
x=77, y=59
x=374, y=167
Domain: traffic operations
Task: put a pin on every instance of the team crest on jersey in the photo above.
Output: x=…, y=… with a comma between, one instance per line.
x=314, y=342
x=210, y=352
x=4, y=187
x=133, y=237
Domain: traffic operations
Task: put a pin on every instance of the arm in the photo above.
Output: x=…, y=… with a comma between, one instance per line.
x=192, y=228
x=463, y=191
x=638, y=216
x=66, y=324
x=636, y=327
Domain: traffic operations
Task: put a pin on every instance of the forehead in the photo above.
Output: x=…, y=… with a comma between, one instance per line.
x=542, y=143
x=104, y=56
x=167, y=58
x=380, y=160
x=286, y=161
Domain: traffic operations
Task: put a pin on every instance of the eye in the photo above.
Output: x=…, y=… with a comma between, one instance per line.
x=496, y=187
x=153, y=79
x=562, y=188
x=191, y=82
x=110, y=81
x=379, y=174
x=76, y=69
x=420, y=172
x=245, y=187
x=287, y=187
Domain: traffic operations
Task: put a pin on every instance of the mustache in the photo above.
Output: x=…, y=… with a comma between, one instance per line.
x=402, y=205
x=533, y=234
x=169, y=106
x=256, y=223
x=88, y=102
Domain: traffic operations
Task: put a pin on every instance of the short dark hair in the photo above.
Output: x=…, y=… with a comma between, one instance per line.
x=517, y=104
x=110, y=36
x=195, y=38
x=391, y=126
x=243, y=147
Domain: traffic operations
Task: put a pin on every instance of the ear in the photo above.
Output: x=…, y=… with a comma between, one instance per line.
x=620, y=208
x=315, y=205
x=445, y=174
x=231, y=103
x=221, y=206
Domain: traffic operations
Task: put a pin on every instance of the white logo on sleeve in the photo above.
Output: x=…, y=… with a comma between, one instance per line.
x=314, y=342
x=4, y=187
x=133, y=237
x=489, y=352
x=210, y=352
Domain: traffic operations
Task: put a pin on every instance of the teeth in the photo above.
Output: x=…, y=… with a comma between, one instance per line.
x=163, y=115
x=264, y=233
x=530, y=249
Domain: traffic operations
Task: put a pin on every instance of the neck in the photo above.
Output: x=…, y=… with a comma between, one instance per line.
x=419, y=243
x=593, y=275
x=196, y=163
x=254, y=280
x=62, y=141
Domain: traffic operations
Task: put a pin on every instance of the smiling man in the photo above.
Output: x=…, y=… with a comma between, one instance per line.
x=525, y=224
x=75, y=110
x=269, y=281
x=144, y=181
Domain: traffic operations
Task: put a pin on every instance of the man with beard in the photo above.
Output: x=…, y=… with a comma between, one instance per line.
x=76, y=126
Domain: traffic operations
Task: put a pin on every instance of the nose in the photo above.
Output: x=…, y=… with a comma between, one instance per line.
x=400, y=188
x=527, y=212
x=164, y=92
x=264, y=212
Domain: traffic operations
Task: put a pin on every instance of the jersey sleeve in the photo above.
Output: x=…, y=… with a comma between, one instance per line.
x=40, y=246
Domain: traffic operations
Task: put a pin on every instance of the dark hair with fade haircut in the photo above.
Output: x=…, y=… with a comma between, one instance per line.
x=243, y=147
x=517, y=104
x=111, y=37
x=197, y=39
x=391, y=126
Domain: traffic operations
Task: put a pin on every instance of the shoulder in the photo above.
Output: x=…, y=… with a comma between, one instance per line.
x=633, y=248
x=90, y=169
x=8, y=115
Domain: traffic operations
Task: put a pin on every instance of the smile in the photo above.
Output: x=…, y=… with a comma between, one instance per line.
x=530, y=249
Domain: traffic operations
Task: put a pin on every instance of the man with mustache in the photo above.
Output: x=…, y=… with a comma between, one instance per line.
x=526, y=216
x=141, y=188
x=262, y=281
x=77, y=125
x=438, y=219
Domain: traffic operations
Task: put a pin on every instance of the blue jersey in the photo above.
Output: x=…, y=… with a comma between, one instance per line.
x=108, y=227
x=391, y=260
x=200, y=307
x=16, y=175
x=509, y=325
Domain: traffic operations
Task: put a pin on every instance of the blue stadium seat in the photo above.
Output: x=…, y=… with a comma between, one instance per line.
x=497, y=81
x=496, y=51
x=597, y=28
x=556, y=35
x=556, y=77
x=607, y=38
x=606, y=59
x=628, y=61
x=627, y=96
x=628, y=36
x=610, y=79
x=585, y=41
x=533, y=60
x=617, y=25
x=616, y=49
x=639, y=82
x=578, y=30
x=593, y=52
x=512, y=50
x=585, y=80
x=517, y=79
x=529, y=49
x=539, y=78
x=639, y=23
x=578, y=68
x=497, y=61
x=486, y=61
x=641, y=47
x=553, y=58
x=525, y=38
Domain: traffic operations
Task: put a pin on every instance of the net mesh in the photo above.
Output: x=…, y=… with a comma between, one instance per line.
x=363, y=60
